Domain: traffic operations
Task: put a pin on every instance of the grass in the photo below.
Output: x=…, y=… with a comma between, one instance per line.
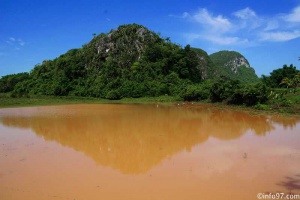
x=290, y=104
x=6, y=101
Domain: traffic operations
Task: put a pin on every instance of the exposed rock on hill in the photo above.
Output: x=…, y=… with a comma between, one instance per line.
x=131, y=61
x=234, y=65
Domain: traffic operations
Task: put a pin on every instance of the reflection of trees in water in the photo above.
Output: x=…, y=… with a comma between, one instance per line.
x=286, y=122
x=238, y=123
x=133, y=139
x=291, y=183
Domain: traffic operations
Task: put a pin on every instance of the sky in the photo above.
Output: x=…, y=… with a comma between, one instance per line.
x=266, y=32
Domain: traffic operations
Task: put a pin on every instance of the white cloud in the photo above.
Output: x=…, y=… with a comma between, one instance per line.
x=17, y=43
x=294, y=16
x=217, y=23
x=216, y=39
x=182, y=16
x=243, y=27
x=21, y=42
x=224, y=40
x=247, y=19
x=245, y=13
x=185, y=15
x=213, y=28
x=279, y=36
x=190, y=37
x=271, y=25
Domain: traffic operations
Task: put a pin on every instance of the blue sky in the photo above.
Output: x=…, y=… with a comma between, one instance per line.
x=266, y=32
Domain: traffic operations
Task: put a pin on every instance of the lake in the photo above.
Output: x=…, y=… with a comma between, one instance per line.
x=155, y=152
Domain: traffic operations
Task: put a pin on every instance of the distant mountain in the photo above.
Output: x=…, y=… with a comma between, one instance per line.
x=235, y=66
x=131, y=61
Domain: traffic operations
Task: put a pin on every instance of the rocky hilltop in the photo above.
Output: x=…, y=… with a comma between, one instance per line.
x=135, y=43
x=130, y=61
x=126, y=44
x=234, y=65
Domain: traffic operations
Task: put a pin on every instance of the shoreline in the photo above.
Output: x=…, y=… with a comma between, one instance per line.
x=9, y=102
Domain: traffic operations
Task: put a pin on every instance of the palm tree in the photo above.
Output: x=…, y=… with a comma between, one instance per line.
x=296, y=80
x=292, y=83
x=287, y=82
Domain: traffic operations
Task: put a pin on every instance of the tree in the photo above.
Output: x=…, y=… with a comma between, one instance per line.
x=277, y=75
x=296, y=81
x=8, y=82
x=292, y=83
x=287, y=82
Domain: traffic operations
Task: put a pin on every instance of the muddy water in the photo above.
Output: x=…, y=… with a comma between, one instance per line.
x=88, y=152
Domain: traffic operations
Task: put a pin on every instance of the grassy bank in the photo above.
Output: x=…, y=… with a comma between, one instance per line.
x=289, y=105
x=285, y=101
x=6, y=101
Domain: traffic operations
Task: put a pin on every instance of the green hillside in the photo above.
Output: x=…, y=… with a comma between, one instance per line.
x=233, y=65
x=132, y=61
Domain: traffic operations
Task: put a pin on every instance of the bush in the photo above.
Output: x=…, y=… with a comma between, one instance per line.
x=195, y=93
x=262, y=106
x=249, y=95
x=113, y=95
x=223, y=90
x=232, y=92
x=8, y=82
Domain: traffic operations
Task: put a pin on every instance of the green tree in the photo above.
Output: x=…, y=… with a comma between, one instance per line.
x=287, y=82
x=277, y=75
x=8, y=82
x=223, y=90
x=292, y=83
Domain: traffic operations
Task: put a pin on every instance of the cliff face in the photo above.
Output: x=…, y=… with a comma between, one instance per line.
x=134, y=46
x=126, y=41
x=206, y=67
x=133, y=43
x=123, y=46
x=234, y=65
x=237, y=62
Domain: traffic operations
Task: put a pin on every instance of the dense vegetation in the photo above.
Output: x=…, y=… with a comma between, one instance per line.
x=133, y=62
x=235, y=66
x=128, y=62
x=8, y=82
x=284, y=89
x=282, y=77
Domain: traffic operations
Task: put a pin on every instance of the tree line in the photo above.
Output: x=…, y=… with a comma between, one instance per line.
x=140, y=84
x=134, y=62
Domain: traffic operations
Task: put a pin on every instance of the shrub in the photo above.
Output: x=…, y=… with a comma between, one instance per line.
x=262, y=106
x=195, y=93
x=113, y=95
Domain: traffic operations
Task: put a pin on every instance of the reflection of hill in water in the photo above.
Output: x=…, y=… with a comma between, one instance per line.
x=132, y=138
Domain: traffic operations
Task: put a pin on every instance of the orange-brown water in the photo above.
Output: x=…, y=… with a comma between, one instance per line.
x=91, y=152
